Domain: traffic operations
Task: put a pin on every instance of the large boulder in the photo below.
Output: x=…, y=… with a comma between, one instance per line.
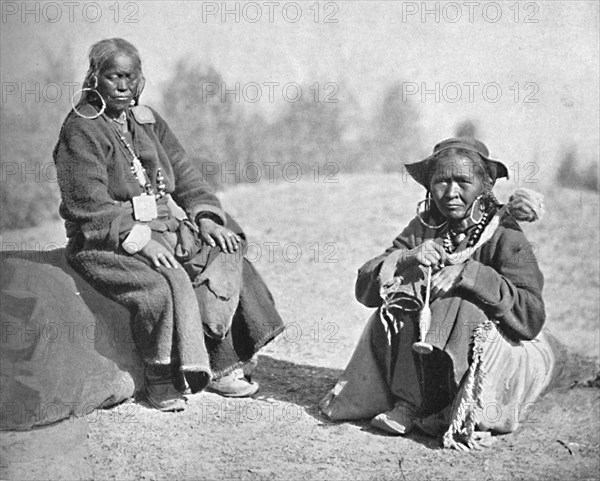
x=66, y=349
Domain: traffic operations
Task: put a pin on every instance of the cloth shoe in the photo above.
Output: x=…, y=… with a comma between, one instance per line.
x=233, y=385
x=399, y=420
x=159, y=390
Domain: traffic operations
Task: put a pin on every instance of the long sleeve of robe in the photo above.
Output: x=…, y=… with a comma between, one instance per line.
x=95, y=177
x=502, y=277
x=171, y=309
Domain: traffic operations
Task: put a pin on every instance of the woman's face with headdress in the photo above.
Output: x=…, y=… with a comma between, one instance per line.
x=455, y=184
x=118, y=81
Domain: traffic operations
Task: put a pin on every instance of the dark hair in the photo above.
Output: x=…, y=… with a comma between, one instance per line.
x=102, y=51
x=478, y=164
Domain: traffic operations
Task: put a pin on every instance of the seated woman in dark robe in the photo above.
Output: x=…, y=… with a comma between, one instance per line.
x=472, y=362
x=147, y=230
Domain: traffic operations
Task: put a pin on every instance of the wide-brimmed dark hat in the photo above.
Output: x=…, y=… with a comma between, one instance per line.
x=421, y=171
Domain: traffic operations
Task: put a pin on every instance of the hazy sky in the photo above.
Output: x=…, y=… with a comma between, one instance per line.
x=496, y=55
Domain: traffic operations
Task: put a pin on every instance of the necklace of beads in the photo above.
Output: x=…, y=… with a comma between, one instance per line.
x=137, y=169
x=474, y=235
x=136, y=166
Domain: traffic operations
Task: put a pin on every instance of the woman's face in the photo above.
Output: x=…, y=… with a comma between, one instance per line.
x=117, y=82
x=455, y=184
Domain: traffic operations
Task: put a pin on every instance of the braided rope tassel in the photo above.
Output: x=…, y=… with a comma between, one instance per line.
x=465, y=418
x=391, y=324
x=388, y=322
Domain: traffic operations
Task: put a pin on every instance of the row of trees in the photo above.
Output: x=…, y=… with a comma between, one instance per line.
x=29, y=127
x=574, y=173
x=230, y=141
x=308, y=134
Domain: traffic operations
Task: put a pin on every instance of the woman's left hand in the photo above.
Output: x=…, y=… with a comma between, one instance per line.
x=446, y=280
x=214, y=234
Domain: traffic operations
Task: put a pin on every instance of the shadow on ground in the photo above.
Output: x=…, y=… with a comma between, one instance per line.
x=305, y=386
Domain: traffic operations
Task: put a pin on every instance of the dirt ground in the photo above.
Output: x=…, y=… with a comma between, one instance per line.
x=308, y=240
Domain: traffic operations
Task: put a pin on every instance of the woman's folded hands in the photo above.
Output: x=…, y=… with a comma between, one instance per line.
x=432, y=254
x=429, y=254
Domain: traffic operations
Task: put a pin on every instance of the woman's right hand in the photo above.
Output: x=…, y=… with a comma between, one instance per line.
x=429, y=253
x=159, y=255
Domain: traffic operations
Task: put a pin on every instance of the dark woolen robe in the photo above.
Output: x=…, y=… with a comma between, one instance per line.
x=97, y=186
x=94, y=175
x=501, y=282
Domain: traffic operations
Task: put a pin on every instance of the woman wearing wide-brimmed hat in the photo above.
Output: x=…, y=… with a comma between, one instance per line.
x=458, y=298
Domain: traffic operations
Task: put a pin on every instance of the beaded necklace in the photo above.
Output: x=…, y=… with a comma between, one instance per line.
x=136, y=166
x=474, y=235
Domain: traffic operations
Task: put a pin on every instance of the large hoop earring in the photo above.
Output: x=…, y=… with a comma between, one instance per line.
x=428, y=200
x=477, y=199
x=88, y=89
